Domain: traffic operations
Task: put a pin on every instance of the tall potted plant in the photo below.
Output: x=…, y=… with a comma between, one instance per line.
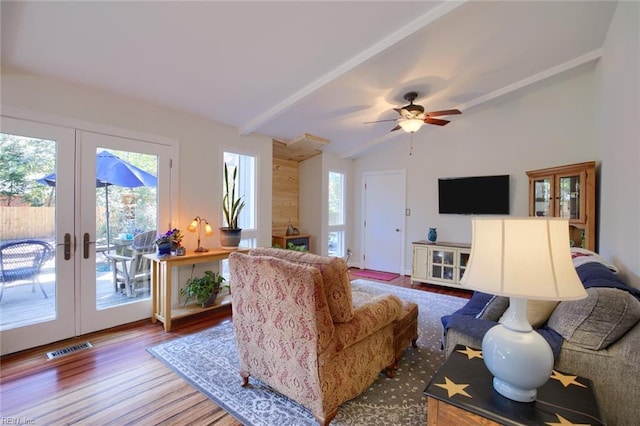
x=232, y=205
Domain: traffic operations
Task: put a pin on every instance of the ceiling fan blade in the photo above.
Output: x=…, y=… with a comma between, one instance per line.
x=380, y=121
x=443, y=112
x=396, y=128
x=436, y=121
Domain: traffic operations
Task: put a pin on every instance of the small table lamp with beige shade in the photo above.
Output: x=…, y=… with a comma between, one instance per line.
x=521, y=258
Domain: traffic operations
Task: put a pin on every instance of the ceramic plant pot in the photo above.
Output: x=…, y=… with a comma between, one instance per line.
x=230, y=238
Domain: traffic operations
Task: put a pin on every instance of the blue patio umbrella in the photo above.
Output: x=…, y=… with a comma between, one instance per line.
x=112, y=170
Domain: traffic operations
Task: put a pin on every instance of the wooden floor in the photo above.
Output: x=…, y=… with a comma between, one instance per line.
x=117, y=382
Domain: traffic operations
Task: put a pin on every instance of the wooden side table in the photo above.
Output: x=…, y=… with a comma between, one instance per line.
x=161, y=286
x=461, y=393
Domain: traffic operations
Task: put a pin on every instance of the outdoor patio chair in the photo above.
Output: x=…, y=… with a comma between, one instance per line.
x=22, y=261
x=132, y=274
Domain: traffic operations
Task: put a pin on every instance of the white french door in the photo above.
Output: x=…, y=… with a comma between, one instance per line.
x=123, y=222
x=30, y=319
x=79, y=294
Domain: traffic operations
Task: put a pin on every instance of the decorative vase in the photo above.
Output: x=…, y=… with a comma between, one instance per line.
x=211, y=300
x=230, y=238
x=432, y=236
x=164, y=249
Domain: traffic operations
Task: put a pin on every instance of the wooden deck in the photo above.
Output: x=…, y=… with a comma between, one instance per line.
x=23, y=304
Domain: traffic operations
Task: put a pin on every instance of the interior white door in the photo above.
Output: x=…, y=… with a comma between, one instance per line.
x=384, y=207
x=30, y=317
x=125, y=210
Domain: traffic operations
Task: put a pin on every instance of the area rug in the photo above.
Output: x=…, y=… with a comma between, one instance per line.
x=208, y=360
x=374, y=275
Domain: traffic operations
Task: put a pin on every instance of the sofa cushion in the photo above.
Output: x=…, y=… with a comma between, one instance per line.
x=335, y=275
x=597, y=321
x=494, y=308
x=538, y=312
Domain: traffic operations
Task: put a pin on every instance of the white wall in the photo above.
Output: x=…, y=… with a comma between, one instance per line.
x=618, y=141
x=547, y=124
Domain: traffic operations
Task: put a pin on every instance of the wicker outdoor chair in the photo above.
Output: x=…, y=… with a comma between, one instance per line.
x=22, y=261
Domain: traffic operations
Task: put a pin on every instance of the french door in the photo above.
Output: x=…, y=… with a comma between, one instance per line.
x=65, y=200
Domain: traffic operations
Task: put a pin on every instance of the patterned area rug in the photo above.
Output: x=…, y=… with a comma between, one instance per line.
x=208, y=360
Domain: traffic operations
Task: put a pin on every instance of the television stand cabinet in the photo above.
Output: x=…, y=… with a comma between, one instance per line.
x=439, y=263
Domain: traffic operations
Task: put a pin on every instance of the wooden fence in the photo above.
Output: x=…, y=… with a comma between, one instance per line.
x=26, y=222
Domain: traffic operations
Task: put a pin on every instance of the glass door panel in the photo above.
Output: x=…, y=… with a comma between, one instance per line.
x=569, y=197
x=464, y=259
x=36, y=206
x=121, y=189
x=542, y=193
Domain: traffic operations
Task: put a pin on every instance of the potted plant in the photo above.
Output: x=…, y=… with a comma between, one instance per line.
x=232, y=205
x=203, y=290
x=168, y=241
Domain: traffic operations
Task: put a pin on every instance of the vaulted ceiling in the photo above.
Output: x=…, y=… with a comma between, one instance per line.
x=284, y=69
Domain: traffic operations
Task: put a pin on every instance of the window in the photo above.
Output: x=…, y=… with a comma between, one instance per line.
x=246, y=184
x=336, y=225
x=246, y=187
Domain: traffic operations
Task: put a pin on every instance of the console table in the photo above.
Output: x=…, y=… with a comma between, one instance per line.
x=161, y=286
x=461, y=394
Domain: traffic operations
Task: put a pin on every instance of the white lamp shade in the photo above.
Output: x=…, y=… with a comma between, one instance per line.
x=527, y=257
x=411, y=125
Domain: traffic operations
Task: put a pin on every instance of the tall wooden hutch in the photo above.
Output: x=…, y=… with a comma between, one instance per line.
x=569, y=192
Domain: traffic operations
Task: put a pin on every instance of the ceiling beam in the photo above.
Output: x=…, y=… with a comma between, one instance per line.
x=395, y=37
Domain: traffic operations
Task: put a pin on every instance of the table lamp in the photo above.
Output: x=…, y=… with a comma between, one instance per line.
x=197, y=224
x=521, y=258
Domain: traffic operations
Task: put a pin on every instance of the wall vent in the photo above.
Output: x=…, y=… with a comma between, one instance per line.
x=68, y=350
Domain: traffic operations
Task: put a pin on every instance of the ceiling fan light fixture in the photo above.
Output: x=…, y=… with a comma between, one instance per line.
x=411, y=125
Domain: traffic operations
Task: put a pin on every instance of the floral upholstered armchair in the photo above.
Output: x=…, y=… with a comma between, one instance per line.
x=289, y=338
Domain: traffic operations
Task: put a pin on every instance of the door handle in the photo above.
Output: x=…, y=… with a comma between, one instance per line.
x=67, y=246
x=85, y=244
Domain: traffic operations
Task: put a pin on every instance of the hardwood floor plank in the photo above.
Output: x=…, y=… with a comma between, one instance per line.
x=117, y=382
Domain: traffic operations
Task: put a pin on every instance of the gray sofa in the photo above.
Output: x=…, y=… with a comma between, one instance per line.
x=597, y=337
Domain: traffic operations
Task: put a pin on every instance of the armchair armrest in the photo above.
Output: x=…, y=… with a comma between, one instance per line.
x=367, y=319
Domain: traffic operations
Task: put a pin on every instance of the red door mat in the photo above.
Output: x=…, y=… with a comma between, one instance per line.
x=374, y=275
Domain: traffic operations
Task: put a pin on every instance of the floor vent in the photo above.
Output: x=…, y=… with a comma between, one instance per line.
x=68, y=350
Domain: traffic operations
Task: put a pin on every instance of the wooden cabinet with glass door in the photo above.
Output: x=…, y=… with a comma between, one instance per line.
x=568, y=192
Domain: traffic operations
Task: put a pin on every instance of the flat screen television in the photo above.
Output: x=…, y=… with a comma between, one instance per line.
x=474, y=195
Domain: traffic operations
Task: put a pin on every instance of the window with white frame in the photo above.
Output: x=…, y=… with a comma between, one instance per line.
x=246, y=187
x=336, y=216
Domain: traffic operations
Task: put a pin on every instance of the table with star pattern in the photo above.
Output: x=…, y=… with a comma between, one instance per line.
x=461, y=393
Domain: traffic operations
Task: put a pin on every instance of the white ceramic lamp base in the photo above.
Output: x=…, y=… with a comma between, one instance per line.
x=518, y=357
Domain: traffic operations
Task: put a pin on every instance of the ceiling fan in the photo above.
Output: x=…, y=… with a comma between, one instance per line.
x=412, y=116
